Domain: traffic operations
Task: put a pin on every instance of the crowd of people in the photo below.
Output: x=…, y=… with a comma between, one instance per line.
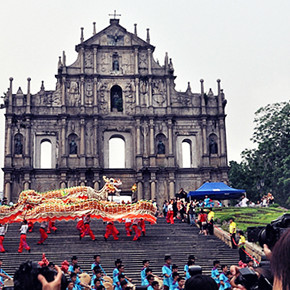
x=265, y=201
x=189, y=277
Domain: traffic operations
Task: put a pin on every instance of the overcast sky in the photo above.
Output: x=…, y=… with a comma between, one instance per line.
x=245, y=43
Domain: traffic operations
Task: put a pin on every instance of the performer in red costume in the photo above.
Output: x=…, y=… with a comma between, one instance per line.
x=43, y=234
x=128, y=224
x=143, y=226
x=87, y=228
x=80, y=225
x=51, y=227
x=23, y=244
x=169, y=216
x=111, y=230
x=136, y=229
x=30, y=226
x=3, y=230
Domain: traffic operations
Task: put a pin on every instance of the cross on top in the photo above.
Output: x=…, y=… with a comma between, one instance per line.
x=115, y=14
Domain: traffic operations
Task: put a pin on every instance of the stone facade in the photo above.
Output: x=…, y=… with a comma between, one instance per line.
x=115, y=89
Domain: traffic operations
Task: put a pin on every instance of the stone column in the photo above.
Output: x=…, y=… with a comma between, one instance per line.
x=63, y=144
x=137, y=92
x=8, y=137
x=140, y=190
x=96, y=143
x=7, y=192
x=82, y=91
x=26, y=185
x=10, y=100
x=136, y=61
x=149, y=61
x=95, y=60
x=145, y=133
x=82, y=60
x=171, y=189
x=28, y=96
x=27, y=152
x=82, y=141
x=150, y=92
x=168, y=93
x=152, y=147
x=95, y=88
x=63, y=81
x=138, y=137
x=170, y=137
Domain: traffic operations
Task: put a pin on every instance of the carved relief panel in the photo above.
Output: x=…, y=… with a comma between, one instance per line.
x=129, y=93
x=103, y=94
x=158, y=93
x=73, y=94
x=89, y=93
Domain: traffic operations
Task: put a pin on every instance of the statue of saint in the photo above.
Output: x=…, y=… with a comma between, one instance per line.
x=18, y=146
x=73, y=147
x=115, y=65
x=213, y=149
x=117, y=102
x=160, y=148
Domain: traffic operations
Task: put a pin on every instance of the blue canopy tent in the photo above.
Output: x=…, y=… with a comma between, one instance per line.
x=216, y=190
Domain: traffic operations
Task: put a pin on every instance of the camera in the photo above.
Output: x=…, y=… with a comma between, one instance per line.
x=270, y=234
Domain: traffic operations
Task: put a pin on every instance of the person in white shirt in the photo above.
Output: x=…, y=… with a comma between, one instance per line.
x=23, y=244
x=244, y=201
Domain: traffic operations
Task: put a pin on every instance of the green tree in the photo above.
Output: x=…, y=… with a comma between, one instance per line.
x=267, y=166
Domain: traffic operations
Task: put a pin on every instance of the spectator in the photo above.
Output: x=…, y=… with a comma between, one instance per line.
x=200, y=282
x=233, y=230
x=241, y=245
x=210, y=217
x=191, y=212
x=202, y=217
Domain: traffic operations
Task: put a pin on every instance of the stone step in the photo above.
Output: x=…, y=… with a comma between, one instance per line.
x=180, y=240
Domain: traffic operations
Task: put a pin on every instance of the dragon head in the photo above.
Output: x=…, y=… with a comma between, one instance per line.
x=112, y=185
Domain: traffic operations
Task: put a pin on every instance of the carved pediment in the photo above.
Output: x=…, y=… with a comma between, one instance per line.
x=115, y=35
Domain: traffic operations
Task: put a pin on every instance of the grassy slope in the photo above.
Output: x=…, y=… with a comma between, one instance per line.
x=247, y=216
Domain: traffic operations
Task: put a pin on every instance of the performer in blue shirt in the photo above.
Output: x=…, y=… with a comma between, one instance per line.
x=116, y=271
x=224, y=280
x=215, y=272
x=190, y=262
x=97, y=262
x=174, y=283
x=166, y=272
x=3, y=274
x=143, y=272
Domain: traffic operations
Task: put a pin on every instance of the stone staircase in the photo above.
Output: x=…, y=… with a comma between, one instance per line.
x=180, y=240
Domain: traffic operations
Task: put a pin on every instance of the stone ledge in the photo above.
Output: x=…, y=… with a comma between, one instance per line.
x=253, y=249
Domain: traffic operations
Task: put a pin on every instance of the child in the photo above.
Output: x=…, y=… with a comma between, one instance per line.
x=116, y=271
x=155, y=285
x=190, y=262
x=180, y=282
x=150, y=279
x=174, y=283
x=143, y=272
x=97, y=262
x=215, y=272
x=166, y=272
x=224, y=280
x=97, y=275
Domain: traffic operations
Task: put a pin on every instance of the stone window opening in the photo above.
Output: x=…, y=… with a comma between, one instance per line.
x=116, y=99
x=186, y=153
x=116, y=152
x=45, y=154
